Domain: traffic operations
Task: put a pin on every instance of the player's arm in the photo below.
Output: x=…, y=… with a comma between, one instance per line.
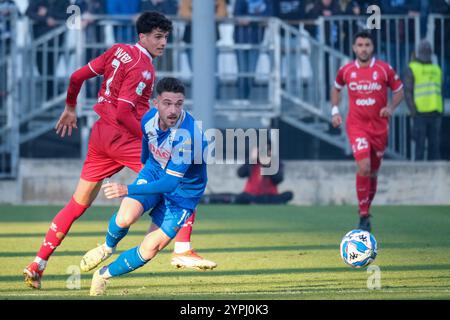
x=336, y=119
x=397, y=97
x=68, y=119
x=396, y=86
x=181, y=159
x=168, y=183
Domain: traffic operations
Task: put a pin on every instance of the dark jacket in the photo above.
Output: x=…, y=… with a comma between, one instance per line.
x=56, y=9
x=399, y=7
x=251, y=33
x=440, y=6
x=91, y=6
x=319, y=8
x=168, y=7
x=331, y=29
x=289, y=9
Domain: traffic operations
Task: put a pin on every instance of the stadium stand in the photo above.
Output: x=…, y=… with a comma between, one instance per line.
x=296, y=102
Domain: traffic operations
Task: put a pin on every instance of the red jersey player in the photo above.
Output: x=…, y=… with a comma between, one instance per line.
x=367, y=81
x=116, y=138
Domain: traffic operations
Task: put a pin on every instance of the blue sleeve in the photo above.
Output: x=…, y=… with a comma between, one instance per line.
x=166, y=184
x=240, y=8
x=180, y=161
x=145, y=152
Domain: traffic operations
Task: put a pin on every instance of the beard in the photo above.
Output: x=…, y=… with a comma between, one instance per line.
x=364, y=58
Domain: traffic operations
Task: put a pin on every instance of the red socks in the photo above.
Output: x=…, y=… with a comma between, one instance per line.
x=373, y=188
x=59, y=228
x=363, y=192
x=184, y=235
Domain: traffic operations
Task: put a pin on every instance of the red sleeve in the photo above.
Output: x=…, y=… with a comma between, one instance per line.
x=76, y=81
x=339, y=83
x=127, y=119
x=97, y=65
x=394, y=81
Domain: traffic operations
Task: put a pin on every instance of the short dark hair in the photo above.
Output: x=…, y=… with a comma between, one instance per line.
x=363, y=34
x=169, y=84
x=152, y=20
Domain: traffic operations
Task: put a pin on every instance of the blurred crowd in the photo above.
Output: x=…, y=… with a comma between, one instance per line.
x=284, y=9
x=45, y=15
x=46, y=12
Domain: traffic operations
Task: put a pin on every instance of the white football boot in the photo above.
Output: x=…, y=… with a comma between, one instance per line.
x=190, y=259
x=98, y=284
x=94, y=257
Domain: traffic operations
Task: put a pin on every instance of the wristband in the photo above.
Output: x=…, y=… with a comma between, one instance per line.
x=334, y=111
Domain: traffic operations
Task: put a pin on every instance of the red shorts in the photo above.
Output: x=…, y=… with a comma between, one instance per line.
x=109, y=151
x=365, y=145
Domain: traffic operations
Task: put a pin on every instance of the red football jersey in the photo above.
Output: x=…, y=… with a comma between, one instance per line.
x=128, y=76
x=367, y=91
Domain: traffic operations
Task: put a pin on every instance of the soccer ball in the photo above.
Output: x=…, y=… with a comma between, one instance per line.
x=358, y=248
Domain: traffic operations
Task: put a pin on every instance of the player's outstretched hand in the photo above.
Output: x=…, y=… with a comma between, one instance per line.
x=385, y=112
x=114, y=190
x=66, y=122
x=336, y=120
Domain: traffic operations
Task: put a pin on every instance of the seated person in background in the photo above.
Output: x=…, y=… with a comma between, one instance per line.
x=260, y=188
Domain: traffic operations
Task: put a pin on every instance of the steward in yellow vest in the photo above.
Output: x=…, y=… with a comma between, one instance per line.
x=423, y=95
x=427, y=87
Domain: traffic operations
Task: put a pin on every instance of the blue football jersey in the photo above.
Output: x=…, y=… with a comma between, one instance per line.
x=179, y=152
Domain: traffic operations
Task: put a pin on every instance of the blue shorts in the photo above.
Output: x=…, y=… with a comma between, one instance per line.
x=169, y=217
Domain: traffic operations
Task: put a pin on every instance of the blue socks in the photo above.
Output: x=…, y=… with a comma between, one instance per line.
x=128, y=261
x=115, y=233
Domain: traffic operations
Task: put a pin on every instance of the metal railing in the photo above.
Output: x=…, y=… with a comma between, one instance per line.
x=9, y=85
x=395, y=40
x=438, y=33
x=265, y=67
x=305, y=95
x=245, y=80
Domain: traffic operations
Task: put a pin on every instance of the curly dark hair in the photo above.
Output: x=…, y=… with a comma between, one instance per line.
x=169, y=84
x=152, y=20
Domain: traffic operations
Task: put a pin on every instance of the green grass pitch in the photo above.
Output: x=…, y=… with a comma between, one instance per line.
x=263, y=252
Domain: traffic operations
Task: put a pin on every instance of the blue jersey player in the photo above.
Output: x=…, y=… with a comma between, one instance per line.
x=170, y=184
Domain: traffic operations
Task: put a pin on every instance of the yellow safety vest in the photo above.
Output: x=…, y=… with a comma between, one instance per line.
x=427, y=86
